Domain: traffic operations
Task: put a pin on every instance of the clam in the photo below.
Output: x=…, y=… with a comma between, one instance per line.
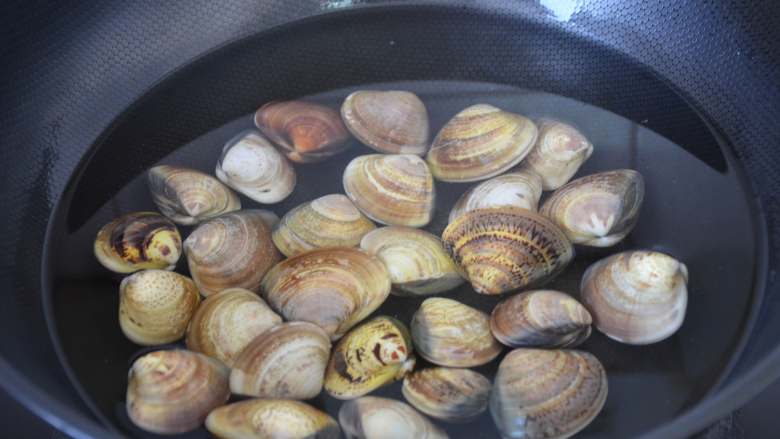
x=136, y=241
x=172, y=391
x=546, y=394
x=391, y=189
x=155, y=306
x=329, y=221
x=543, y=318
x=394, y=122
x=271, y=419
x=506, y=248
x=252, y=166
x=598, y=210
x=370, y=417
x=187, y=196
x=480, y=142
x=269, y=217
x=636, y=297
x=516, y=189
x=453, y=395
x=416, y=260
x=228, y=321
x=449, y=333
x=304, y=131
x=287, y=362
x=375, y=353
x=333, y=288
x=559, y=152
x=232, y=251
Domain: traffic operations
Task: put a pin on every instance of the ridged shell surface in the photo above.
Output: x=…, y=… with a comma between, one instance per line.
x=187, y=196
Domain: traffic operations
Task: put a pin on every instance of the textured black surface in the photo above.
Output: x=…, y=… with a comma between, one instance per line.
x=70, y=68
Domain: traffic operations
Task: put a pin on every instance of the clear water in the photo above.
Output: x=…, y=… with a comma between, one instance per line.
x=695, y=212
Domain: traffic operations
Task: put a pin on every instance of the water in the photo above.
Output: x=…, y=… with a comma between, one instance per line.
x=692, y=211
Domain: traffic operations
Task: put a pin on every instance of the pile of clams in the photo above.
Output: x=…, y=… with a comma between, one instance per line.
x=281, y=307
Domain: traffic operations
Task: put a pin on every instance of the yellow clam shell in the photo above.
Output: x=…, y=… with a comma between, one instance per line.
x=449, y=333
x=228, y=321
x=286, y=362
x=328, y=221
x=391, y=189
x=137, y=241
x=416, y=260
x=187, y=196
x=368, y=357
x=480, y=142
x=503, y=249
x=450, y=394
x=547, y=394
x=271, y=419
x=172, y=391
x=334, y=288
x=155, y=306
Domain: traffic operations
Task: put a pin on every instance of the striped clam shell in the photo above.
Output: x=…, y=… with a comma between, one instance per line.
x=304, y=131
x=251, y=165
x=394, y=122
x=228, y=321
x=416, y=260
x=136, y=241
x=187, y=196
x=333, y=288
x=503, y=249
x=516, y=189
x=328, y=221
x=636, y=297
x=543, y=318
x=172, y=391
x=450, y=394
x=371, y=355
x=480, y=142
x=547, y=394
x=559, y=152
x=391, y=189
x=271, y=419
x=286, y=362
x=598, y=210
x=233, y=250
x=371, y=417
x=449, y=333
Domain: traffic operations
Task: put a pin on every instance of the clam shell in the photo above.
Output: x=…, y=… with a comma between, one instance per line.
x=370, y=417
x=333, y=288
x=287, y=362
x=636, y=297
x=155, y=306
x=226, y=322
x=543, y=318
x=172, y=391
x=547, y=394
x=559, y=152
x=329, y=221
x=232, y=251
x=391, y=189
x=394, y=122
x=304, y=131
x=453, y=395
x=253, y=167
x=271, y=419
x=598, y=210
x=187, y=196
x=449, y=333
x=503, y=249
x=480, y=142
x=516, y=189
x=375, y=353
x=416, y=260
x=137, y=241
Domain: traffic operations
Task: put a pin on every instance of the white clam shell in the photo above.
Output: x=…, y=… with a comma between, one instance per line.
x=515, y=189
